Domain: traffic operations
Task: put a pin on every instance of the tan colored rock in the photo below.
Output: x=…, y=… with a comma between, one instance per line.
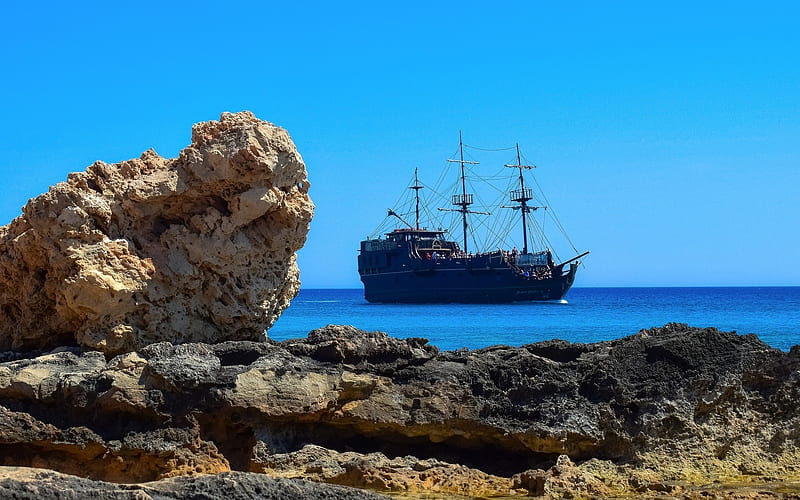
x=78, y=450
x=480, y=422
x=376, y=471
x=198, y=248
x=563, y=480
x=25, y=483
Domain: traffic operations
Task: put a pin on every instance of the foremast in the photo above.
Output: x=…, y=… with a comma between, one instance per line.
x=522, y=196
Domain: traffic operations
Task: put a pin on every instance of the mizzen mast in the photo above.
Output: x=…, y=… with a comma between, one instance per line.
x=416, y=187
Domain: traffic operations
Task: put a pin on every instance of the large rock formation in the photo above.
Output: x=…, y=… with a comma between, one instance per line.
x=200, y=248
x=656, y=412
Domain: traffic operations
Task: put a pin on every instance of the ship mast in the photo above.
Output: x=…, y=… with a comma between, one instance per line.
x=416, y=187
x=522, y=196
x=463, y=200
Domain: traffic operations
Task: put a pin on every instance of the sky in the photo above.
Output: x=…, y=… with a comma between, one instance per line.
x=667, y=135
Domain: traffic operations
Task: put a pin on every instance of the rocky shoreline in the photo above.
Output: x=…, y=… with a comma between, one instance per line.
x=662, y=412
x=134, y=298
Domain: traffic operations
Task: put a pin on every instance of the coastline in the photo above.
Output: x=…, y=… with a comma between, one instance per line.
x=678, y=411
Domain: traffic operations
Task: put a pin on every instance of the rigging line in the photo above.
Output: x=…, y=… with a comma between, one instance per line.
x=500, y=232
x=525, y=159
x=433, y=194
x=564, y=232
x=494, y=196
x=432, y=197
x=496, y=230
x=400, y=199
x=545, y=242
x=487, y=149
x=380, y=228
x=544, y=239
x=444, y=174
x=555, y=217
x=487, y=183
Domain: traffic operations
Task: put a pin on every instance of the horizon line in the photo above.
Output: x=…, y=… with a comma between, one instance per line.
x=597, y=286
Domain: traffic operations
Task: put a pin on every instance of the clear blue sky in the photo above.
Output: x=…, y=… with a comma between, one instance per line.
x=668, y=135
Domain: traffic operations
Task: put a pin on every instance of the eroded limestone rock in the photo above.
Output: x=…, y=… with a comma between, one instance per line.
x=22, y=483
x=199, y=248
x=376, y=471
x=662, y=411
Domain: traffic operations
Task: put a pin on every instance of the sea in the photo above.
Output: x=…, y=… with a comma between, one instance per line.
x=585, y=315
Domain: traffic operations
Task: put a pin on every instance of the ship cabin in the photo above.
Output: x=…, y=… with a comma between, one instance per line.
x=406, y=244
x=424, y=244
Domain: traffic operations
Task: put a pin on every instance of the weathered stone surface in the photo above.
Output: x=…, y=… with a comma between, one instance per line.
x=378, y=472
x=349, y=345
x=200, y=248
x=35, y=484
x=661, y=411
x=562, y=480
x=135, y=456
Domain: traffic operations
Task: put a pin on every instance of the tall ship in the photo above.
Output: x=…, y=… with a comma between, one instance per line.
x=417, y=264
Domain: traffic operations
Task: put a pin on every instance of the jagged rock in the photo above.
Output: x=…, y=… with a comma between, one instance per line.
x=200, y=248
x=671, y=404
x=563, y=480
x=34, y=484
x=376, y=471
x=374, y=351
x=135, y=456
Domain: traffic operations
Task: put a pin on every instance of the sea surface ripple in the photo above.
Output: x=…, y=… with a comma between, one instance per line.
x=586, y=315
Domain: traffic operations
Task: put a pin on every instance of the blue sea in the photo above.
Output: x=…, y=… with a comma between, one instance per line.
x=586, y=315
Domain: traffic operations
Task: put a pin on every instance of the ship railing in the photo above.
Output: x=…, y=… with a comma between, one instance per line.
x=378, y=245
x=428, y=254
x=531, y=259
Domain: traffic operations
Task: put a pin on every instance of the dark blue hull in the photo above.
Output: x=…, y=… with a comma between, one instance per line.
x=463, y=285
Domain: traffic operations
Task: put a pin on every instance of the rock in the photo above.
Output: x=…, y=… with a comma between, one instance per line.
x=138, y=456
x=378, y=472
x=659, y=412
x=199, y=248
x=374, y=351
x=35, y=484
x=563, y=480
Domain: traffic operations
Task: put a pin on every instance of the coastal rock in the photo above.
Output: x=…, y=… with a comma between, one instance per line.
x=668, y=406
x=35, y=484
x=199, y=248
x=563, y=480
x=371, y=351
x=378, y=472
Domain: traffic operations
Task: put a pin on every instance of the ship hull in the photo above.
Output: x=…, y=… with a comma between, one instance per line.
x=463, y=286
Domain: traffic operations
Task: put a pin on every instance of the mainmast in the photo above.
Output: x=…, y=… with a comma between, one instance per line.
x=522, y=196
x=463, y=200
x=416, y=187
